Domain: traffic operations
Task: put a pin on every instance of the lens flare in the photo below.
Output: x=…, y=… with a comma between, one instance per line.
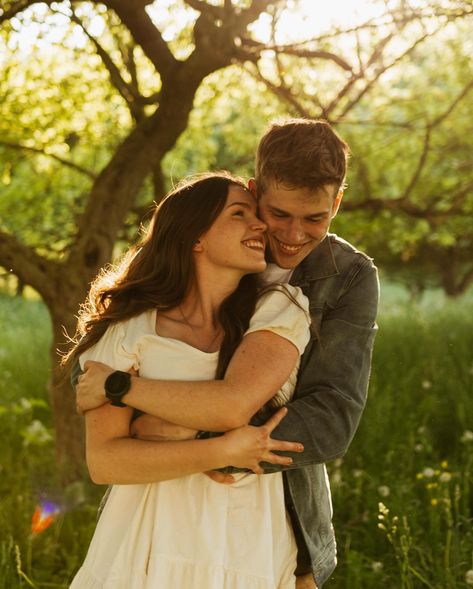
x=43, y=516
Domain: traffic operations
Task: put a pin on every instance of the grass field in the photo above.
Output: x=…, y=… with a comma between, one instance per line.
x=403, y=495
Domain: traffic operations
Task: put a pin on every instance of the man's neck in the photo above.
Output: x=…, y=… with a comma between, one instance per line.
x=275, y=273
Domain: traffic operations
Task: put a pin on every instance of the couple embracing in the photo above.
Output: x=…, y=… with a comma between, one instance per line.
x=224, y=362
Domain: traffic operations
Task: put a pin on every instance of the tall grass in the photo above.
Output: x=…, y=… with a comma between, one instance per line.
x=403, y=497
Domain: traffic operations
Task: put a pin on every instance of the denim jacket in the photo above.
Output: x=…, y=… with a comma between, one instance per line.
x=342, y=287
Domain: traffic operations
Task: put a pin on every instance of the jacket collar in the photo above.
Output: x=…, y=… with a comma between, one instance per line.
x=320, y=263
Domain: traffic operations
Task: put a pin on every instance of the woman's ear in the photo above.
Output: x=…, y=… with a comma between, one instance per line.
x=197, y=247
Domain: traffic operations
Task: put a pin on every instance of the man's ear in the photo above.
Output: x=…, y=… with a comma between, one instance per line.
x=252, y=186
x=336, y=202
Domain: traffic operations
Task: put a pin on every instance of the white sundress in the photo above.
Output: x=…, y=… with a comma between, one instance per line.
x=191, y=532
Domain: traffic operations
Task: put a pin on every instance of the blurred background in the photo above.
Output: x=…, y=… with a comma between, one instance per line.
x=104, y=105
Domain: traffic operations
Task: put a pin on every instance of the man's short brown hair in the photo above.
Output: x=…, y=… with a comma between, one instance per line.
x=301, y=153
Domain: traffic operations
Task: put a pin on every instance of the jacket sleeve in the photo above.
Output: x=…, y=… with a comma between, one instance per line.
x=333, y=380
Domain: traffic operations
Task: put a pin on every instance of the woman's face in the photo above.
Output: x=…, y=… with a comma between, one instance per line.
x=236, y=240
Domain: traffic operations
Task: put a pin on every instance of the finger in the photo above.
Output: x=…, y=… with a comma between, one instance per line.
x=283, y=446
x=220, y=477
x=276, y=419
x=276, y=459
x=257, y=469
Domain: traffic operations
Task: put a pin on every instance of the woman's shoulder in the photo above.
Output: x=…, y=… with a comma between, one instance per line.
x=284, y=310
x=278, y=297
x=121, y=339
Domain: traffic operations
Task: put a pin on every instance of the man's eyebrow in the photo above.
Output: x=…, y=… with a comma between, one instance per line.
x=274, y=209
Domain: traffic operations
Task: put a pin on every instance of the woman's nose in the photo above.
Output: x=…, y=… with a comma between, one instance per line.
x=259, y=225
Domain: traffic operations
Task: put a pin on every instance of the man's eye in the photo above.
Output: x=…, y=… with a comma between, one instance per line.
x=280, y=215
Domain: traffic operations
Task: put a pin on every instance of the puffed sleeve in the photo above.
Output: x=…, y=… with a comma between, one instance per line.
x=283, y=310
x=114, y=348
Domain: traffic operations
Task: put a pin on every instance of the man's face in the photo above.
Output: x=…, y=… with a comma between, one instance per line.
x=297, y=219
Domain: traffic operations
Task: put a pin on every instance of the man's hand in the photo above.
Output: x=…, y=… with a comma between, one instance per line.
x=305, y=582
x=90, y=391
x=147, y=427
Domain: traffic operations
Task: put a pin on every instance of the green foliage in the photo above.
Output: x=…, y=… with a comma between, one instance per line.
x=421, y=238
x=224, y=127
x=62, y=106
x=402, y=495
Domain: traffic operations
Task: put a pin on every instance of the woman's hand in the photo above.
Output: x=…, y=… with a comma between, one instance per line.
x=147, y=427
x=249, y=445
x=90, y=389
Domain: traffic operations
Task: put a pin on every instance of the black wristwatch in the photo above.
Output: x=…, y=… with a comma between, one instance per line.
x=117, y=386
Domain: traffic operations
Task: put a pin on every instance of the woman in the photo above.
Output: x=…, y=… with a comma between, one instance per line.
x=179, y=309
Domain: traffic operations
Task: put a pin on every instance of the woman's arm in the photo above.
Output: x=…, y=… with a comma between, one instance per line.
x=260, y=366
x=115, y=458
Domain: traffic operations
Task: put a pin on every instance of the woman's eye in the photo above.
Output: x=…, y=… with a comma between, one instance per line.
x=238, y=213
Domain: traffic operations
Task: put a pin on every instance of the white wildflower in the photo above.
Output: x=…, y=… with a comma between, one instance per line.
x=467, y=436
x=376, y=566
x=445, y=477
x=384, y=491
x=428, y=472
x=426, y=385
x=36, y=433
x=469, y=577
x=357, y=473
x=418, y=448
x=25, y=404
x=336, y=478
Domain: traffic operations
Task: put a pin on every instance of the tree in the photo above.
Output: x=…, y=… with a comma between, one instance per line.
x=402, y=102
x=153, y=82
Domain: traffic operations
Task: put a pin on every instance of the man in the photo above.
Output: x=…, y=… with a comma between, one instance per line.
x=300, y=174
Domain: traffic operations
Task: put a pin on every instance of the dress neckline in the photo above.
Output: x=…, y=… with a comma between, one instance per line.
x=154, y=313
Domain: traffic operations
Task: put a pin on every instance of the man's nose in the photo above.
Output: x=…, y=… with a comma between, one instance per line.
x=295, y=232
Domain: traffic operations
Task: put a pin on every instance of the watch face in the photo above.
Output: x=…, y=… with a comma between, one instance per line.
x=116, y=386
x=117, y=383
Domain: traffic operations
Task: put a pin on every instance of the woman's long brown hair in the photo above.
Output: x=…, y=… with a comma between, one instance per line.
x=159, y=271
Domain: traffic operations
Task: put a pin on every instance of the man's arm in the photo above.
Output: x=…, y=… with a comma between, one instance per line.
x=333, y=379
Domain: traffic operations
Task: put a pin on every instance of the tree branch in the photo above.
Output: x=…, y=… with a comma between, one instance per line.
x=205, y=8
x=27, y=265
x=116, y=78
x=20, y=147
x=297, y=51
x=282, y=92
x=373, y=80
x=454, y=104
x=420, y=164
x=145, y=34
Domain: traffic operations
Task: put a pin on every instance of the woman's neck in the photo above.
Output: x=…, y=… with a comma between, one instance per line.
x=202, y=304
x=195, y=320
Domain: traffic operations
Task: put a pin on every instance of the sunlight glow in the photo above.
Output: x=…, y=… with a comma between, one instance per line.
x=304, y=19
